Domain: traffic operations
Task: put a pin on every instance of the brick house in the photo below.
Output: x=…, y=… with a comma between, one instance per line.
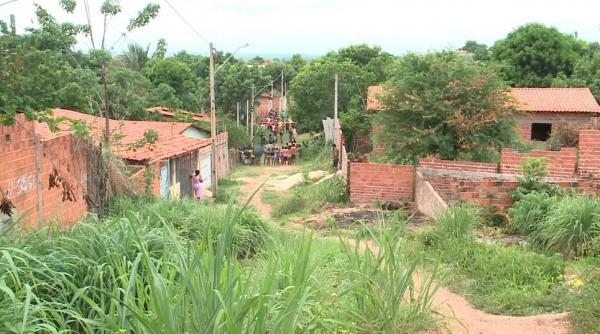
x=179, y=150
x=540, y=109
x=267, y=103
x=544, y=108
x=30, y=153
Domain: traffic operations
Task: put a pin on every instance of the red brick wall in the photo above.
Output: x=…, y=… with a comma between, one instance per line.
x=18, y=174
x=524, y=121
x=139, y=182
x=380, y=182
x=589, y=153
x=459, y=165
x=486, y=191
x=17, y=168
x=68, y=156
x=560, y=163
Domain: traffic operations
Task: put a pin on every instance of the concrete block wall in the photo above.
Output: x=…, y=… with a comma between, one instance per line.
x=380, y=182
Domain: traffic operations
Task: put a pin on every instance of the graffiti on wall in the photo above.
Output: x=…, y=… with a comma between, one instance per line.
x=20, y=185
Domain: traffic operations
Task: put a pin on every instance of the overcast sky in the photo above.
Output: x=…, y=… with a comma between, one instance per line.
x=313, y=27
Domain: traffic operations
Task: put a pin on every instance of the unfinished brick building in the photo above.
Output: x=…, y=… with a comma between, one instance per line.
x=540, y=109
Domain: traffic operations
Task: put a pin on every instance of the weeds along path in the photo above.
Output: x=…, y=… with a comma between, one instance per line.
x=460, y=316
x=253, y=178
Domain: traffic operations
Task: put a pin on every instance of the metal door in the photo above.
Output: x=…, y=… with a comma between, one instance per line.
x=165, y=179
x=205, y=171
x=186, y=165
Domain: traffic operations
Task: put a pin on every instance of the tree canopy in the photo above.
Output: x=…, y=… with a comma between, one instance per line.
x=312, y=90
x=534, y=54
x=443, y=104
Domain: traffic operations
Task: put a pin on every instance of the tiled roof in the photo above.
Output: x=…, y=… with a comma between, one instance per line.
x=171, y=140
x=374, y=98
x=169, y=113
x=527, y=99
x=555, y=99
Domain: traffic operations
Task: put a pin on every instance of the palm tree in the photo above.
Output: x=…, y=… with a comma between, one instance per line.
x=136, y=57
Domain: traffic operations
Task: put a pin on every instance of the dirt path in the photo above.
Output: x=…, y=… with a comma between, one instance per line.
x=459, y=314
x=263, y=174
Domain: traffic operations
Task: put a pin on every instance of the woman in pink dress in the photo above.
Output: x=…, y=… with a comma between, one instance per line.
x=197, y=183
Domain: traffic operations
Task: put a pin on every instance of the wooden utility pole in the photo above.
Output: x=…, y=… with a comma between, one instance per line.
x=252, y=116
x=103, y=77
x=238, y=113
x=213, y=125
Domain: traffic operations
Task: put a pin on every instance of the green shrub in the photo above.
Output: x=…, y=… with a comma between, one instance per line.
x=531, y=211
x=571, y=223
x=534, y=171
x=456, y=222
x=492, y=217
x=194, y=219
x=333, y=190
x=289, y=205
x=592, y=247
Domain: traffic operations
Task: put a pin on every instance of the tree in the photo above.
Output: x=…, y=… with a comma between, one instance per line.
x=312, y=90
x=445, y=105
x=38, y=71
x=177, y=75
x=534, y=54
x=136, y=57
x=359, y=66
x=587, y=74
x=479, y=52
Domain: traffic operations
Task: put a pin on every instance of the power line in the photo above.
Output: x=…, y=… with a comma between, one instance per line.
x=7, y=2
x=187, y=23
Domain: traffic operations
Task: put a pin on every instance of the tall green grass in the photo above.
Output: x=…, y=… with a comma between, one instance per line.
x=311, y=196
x=149, y=271
x=498, y=279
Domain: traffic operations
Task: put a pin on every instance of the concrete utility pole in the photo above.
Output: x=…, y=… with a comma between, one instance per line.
x=335, y=99
x=238, y=113
x=213, y=125
x=336, y=139
x=247, y=116
x=252, y=116
x=282, y=94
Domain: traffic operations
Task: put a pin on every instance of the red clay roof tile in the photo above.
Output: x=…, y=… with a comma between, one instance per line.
x=555, y=99
x=171, y=140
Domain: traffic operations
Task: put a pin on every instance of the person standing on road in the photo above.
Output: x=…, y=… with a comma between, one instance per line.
x=335, y=156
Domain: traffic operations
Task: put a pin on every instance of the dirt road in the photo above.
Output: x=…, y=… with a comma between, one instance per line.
x=459, y=314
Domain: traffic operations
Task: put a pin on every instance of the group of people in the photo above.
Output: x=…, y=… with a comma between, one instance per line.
x=284, y=155
x=278, y=125
x=273, y=154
